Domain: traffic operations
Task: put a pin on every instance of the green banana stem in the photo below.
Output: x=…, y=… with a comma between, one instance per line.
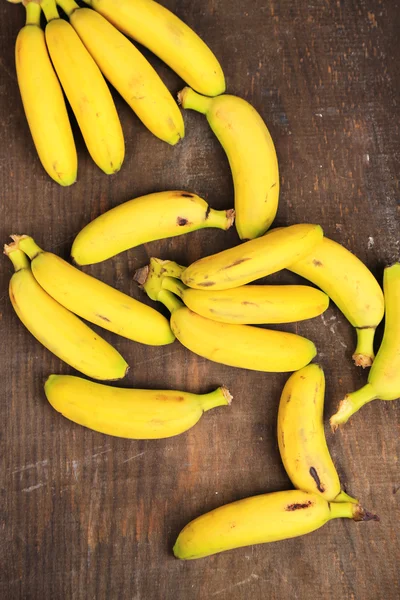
x=68, y=6
x=219, y=397
x=27, y=245
x=351, y=404
x=169, y=300
x=349, y=510
x=49, y=7
x=173, y=285
x=33, y=11
x=364, y=353
x=343, y=497
x=188, y=98
x=17, y=257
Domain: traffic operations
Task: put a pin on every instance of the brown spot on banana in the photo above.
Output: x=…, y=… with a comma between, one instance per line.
x=239, y=261
x=299, y=506
x=185, y=195
x=207, y=283
x=317, y=263
x=103, y=318
x=315, y=476
x=181, y=221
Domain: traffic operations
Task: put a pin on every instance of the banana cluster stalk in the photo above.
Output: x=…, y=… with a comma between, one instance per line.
x=251, y=154
x=128, y=71
x=301, y=437
x=351, y=286
x=162, y=32
x=94, y=300
x=86, y=90
x=254, y=259
x=240, y=346
x=261, y=519
x=43, y=101
x=129, y=413
x=57, y=328
x=384, y=376
x=145, y=219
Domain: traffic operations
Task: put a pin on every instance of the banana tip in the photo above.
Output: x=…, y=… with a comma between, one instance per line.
x=227, y=395
x=141, y=275
x=362, y=360
x=230, y=216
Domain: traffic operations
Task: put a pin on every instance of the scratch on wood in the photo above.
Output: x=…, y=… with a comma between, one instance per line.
x=251, y=577
x=132, y=457
x=32, y=487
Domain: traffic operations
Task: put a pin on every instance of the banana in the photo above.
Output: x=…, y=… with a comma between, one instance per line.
x=301, y=436
x=351, y=286
x=86, y=90
x=94, y=300
x=128, y=71
x=162, y=32
x=56, y=328
x=254, y=259
x=261, y=519
x=384, y=376
x=127, y=413
x=251, y=154
x=144, y=219
x=43, y=101
x=234, y=345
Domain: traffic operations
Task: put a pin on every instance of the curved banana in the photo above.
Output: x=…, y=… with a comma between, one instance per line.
x=144, y=219
x=384, y=376
x=301, y=437
x=234, y=345
x=158, y=29
x=251, y=154
x=254, y=259
x=56, y=328
x=128, y=413
x=94, y=300
x=86, y=90
x=43, y=101
x=351, y=286
x=128, y=71
x=261, y=519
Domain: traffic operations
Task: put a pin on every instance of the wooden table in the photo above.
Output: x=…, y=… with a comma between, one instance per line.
x=84, y=515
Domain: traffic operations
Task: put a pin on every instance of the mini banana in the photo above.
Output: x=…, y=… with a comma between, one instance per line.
x=301, y=437
x=128, y=413
x=56, y=328
x=234, y=345
x=261, y=519
x=94, y=300
x=158, y=29
x=128, y=71
x=384, y=376
x=144, y=219
x=251, y=154
x=86, y=90
x=254, y=259
x=43, y=101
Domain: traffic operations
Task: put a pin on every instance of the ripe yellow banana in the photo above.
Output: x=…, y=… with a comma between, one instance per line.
x=158, y=29
x=94, y=300
x=128, y=71
x=351, y=286
x=127, y=413
x=234, y=345
x=43, y=101
x=251, y=154
x=254, y=259
x=261, y=519
x=301, y=437
x=141, y=220
x=86, y=90
x=384, y=376
x=56, y=328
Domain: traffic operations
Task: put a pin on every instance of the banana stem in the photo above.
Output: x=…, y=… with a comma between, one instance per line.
x=49, y=7
x=173, y=285
x=222, y=219
x=364, y=353
x=351, y=404
x=17, y=257
x=169, y=300
x=188, y=98
x=172, y=269
x=68, y=6
x=348, y=510
x=219, y=397
x=343, y=497
x=33, y=11
x=27, y=245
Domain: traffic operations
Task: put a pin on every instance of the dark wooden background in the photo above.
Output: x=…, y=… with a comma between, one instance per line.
x=84, y=515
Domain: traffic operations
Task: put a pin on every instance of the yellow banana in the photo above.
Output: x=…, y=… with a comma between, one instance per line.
x=384, y=376
x=56, y=328
x=351, y=286
x=127, y=413
x=261, y=519
x=301, y=437
x=155, y=27
x=128, y=71
x=144, y=219
x=234, y=345
x=254, y=259
x=94, y=300
x=251, y=154
x=86, y=90
x=43, y=101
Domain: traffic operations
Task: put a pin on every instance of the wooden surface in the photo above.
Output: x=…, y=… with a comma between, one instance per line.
x=84, y=515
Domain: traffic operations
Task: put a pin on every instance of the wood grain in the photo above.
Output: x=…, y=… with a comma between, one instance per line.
x=83, y=515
